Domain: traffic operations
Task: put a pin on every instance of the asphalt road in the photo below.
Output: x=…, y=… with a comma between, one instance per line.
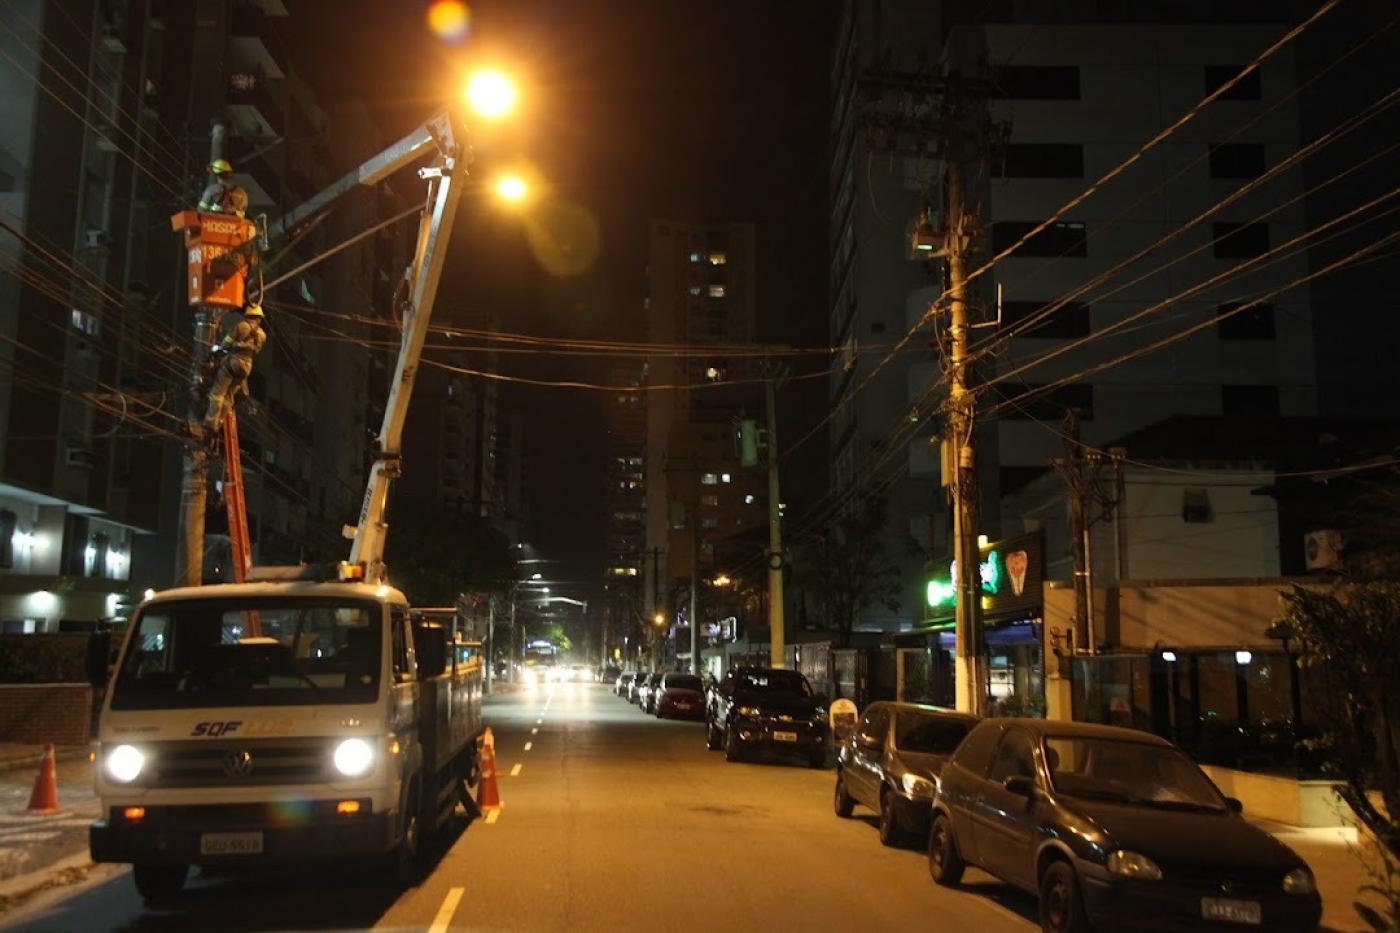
x=612, y=821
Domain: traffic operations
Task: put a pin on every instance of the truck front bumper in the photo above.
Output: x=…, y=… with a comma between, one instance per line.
x=291, y=831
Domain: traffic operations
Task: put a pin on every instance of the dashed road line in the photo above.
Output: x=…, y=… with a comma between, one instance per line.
x=515, y=771
x=449, y=906
x=529, y=745
x=493, y=815
x=535, y=731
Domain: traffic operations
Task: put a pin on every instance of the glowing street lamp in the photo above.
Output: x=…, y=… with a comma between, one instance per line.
x=491, y=94
x=722, y=580
x=659, y=619
x=512, y=188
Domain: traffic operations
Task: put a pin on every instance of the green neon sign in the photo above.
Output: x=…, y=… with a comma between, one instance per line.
x=943, y=593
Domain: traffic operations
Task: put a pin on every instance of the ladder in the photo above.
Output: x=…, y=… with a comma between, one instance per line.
x=234, y=501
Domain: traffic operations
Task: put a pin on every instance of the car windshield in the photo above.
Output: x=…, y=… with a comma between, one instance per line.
x=251, y=652
x=772, y=682
x=924, y=732
x=682, y=682
x=1134, y=772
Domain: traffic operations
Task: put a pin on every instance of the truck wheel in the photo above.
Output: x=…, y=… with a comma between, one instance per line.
x=406, y=865
x=713, y=740
x=155, y=882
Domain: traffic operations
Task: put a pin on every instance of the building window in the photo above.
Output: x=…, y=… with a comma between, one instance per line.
x=726, y=478
x=749, y=498
x=1036, y=82
x=696, y=290
x=1248, y=87
x=709, y=523
x=710, y=499
x=7, y=537
x=716, y=291
x=709, y=479
x=1071, y=320
x=694, y=257
x=1049, y=406
x=1253, y=323
x=1237, y=160
x=1240, y=241
x=1249, y=401
x=718, y=259
x=1058, y=239
x=85, y=323
x=1195, y=506
x=1040, y=160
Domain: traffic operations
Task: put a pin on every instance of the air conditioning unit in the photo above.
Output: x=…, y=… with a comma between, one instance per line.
x=1322, y=550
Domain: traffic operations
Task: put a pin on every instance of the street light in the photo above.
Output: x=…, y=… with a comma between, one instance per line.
x=537, y=576
x=659, y=619
x=491, y=94
x=512, y=188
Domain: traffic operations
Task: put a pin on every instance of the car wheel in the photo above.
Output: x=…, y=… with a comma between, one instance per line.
x=816, y=758
x=844, y=802
x=1061, y=907
x=713, y=740
x=945, y=866
x=155, y=882
x=732, y=752
x=890, y=834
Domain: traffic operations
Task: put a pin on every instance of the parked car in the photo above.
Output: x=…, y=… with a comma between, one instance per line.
x=647, y=692
x=634, y=689
x=1114, y=829
x=891, y=764
x=767, y=708
x=608, y=674
x=623, y=685
x=680, y=695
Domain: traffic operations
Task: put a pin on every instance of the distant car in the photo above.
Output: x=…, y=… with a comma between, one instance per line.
x=891, y=764
x=608, y=674
x=766, y=708
x=623, y=685
x=1114, y=829
x=679, y=695
x=647, y=692
x=634, y=689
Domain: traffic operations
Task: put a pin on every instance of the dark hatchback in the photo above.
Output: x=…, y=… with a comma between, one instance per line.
x=1115, y=829
x=756, y=708
x=891, y=764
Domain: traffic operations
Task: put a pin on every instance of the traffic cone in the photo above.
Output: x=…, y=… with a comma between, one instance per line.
x=44, y=799
x=488, y=795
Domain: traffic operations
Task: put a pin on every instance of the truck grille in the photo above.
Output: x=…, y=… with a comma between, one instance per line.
x=207, y=764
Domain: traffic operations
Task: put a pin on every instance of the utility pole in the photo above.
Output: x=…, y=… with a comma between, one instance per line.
x=695, y=577
x=969, y=677
x=1081, y=469
x=194, y=474
x=776, y=623
x=490, y=642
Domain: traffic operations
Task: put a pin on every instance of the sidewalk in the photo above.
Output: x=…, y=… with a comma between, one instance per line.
x=29, y=843
x=1339, y=860
x=25, y=755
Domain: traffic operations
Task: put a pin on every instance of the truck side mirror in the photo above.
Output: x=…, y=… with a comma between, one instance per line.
x=99, y=647
x=430, y=642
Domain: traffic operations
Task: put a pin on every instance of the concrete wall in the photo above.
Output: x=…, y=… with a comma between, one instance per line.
x=57, y=713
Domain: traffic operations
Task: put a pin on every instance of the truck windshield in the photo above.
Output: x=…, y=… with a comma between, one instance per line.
x=251, y=652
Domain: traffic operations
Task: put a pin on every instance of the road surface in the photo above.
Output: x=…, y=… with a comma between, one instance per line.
x=612, y=821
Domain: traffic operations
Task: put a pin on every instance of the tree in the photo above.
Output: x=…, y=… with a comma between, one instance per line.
x=434, y=556
x=849, y=569
x=1348, y=642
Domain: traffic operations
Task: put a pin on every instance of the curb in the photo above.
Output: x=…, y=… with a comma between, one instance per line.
x=65, y=753
x=16, y=890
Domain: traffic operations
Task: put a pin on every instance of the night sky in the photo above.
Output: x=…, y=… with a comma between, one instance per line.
x=633, y=109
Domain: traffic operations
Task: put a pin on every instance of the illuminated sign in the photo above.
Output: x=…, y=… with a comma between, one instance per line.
x=943, y=592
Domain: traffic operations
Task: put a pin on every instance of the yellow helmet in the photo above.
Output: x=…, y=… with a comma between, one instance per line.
x=253, y=311
x=220, y=167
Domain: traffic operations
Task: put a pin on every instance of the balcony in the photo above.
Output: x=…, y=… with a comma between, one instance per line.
x=253, y=44
x=251, y=108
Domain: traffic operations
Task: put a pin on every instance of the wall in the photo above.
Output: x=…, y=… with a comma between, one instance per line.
x=57, y=713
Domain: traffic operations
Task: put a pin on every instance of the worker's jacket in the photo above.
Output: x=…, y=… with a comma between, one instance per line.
x=246, y=340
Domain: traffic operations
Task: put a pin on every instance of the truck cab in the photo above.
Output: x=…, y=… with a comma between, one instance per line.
x=281, y=722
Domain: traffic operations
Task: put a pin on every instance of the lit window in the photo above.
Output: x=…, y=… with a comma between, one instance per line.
x=694, y=257
x=716, y=291
x=718, y=259
x=709, y=479
x=85, y=323
x=711, y=499
x=695, y=289
x=709, y=523
x=726, y=478
x=749, y=499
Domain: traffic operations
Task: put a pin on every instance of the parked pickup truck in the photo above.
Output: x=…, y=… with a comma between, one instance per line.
x=282, y=722
x=756, y=708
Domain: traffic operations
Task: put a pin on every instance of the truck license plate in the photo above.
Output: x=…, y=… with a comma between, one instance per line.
x=231, y=844
x=1221, y=908
x=785, y=736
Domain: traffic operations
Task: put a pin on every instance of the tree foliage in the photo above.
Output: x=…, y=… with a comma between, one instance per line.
x=849, y=568
x=1348, y=638
x=434, y=556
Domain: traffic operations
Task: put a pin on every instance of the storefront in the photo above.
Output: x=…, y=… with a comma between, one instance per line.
x=1012, y=573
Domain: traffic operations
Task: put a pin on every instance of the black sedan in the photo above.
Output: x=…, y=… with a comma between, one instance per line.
x=891, y=764
x=1115, y=830
x=767, y=708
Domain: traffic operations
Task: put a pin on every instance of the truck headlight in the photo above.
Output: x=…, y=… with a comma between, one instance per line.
x=1299, y=881
x=124, y=763
x=1134, y=865
x=353, y=757
x=916, y=786
x=752, y=712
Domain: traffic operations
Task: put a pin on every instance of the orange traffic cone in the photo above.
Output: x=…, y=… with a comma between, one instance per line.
x=44, y=799
x=488, y=795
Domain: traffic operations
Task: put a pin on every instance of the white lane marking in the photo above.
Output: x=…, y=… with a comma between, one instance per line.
x=529, y=745
x=515, y=771
x=493, y=815
x=449, y=906
x=30, y=837
x=534, y=731
x=540, y=721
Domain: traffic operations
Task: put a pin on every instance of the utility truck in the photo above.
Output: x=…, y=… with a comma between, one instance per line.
x=307, y=713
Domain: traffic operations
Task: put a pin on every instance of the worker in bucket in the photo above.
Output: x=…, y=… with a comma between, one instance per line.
x=233, y=362
x=221, y=195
